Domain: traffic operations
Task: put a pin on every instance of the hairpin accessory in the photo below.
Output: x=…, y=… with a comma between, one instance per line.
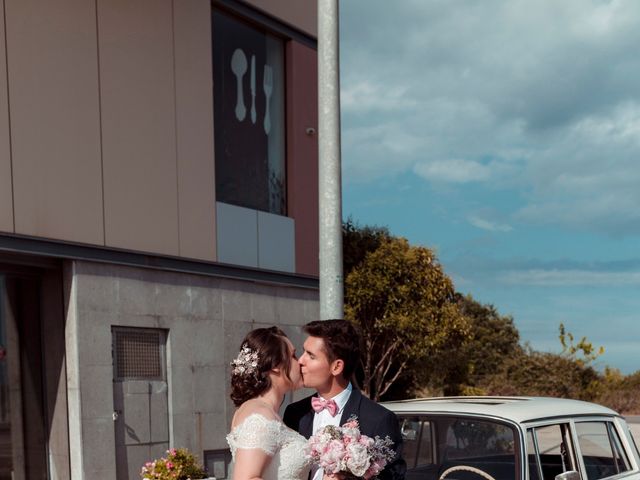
x=246, y=362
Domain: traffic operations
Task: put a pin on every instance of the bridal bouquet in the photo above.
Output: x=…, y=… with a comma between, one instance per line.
x=347, y=451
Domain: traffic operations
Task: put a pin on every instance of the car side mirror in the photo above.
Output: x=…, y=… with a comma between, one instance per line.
x=570, y=475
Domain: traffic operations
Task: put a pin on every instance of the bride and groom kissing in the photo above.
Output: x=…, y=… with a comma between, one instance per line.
x=263, y=445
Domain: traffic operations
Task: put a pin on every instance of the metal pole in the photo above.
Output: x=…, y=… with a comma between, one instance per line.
x=329, y=176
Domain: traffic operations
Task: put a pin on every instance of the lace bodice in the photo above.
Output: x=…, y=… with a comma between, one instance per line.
x=285, y=446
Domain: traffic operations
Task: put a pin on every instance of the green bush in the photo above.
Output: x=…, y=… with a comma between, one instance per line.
x=179, y=464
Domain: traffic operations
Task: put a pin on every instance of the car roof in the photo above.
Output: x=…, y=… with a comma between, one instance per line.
x=517, y=409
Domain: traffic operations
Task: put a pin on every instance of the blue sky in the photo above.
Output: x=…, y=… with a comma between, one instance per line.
x=505, y=134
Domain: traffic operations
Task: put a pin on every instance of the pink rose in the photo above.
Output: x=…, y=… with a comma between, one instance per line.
x=351, y=424
x=332, y=457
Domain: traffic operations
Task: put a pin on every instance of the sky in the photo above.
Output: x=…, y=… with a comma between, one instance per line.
x=505, y=135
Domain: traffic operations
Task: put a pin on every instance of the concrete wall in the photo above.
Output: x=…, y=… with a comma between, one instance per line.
x=206, y=319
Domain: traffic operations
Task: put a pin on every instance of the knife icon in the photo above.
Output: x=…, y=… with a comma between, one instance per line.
x=253, y=89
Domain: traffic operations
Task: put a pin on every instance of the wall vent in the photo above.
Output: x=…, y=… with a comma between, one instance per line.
x=138, y=353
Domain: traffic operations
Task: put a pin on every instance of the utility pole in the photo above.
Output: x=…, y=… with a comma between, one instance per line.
x=329, y=165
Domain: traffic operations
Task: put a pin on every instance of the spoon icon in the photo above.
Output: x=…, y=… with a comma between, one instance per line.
x=239, y=68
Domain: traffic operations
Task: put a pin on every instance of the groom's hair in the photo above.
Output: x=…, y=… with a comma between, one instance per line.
x=341, y=341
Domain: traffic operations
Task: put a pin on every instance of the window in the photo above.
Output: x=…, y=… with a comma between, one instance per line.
x=417, y=445
x=216, y=463
x=249, y=115
x=601, y=449
x=487, y=445
x=532, y=457
x=425, y=449
x=555, y=450
x=473, y=438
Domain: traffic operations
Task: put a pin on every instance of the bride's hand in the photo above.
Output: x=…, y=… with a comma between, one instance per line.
x=335, y=476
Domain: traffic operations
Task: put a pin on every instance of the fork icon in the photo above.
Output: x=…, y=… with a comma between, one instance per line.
x=267, y=86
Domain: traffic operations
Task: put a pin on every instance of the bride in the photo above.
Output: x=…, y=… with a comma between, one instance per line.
x=262, y=446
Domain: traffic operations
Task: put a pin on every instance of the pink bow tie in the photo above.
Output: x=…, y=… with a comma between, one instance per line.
x=318, y=404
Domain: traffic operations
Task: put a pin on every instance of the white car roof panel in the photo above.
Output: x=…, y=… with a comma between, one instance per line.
x=516, y=409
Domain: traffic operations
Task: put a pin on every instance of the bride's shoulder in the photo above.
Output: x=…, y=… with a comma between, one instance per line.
x=255, y=426
x=254, y=412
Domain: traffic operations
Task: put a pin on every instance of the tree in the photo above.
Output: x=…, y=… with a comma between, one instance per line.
x=541, y=373
x=569, y=374
x=358, y=240
x=404, y=305
x=584, y=347
x=458, y=368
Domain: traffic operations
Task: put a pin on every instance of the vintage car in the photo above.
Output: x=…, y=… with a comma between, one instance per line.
x=514, y=438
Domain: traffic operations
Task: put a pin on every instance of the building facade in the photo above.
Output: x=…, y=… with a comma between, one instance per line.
x=158, y=199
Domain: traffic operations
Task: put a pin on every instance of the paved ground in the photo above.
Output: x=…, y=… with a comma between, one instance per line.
x=634, y=426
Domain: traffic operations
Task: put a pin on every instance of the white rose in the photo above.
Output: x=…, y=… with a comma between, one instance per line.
x=358, y=461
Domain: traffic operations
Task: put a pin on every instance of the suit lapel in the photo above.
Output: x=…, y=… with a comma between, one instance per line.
x=306, y=422
x=352, y=407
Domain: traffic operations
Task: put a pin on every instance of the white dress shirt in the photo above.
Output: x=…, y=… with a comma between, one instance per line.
x=324, y=418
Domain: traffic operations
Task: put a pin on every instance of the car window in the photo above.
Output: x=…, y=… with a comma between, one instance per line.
x=601, y=449
x=633, y=440
x=417, y=448
x=481, y=444
x=425, y=449
x=410, y=429
x=532, y=457
x=619, y=455
x=555, y=450
x=471, y=437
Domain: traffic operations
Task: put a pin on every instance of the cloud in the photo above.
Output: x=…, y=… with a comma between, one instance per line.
x=366, y=96
x=564, y=278
x=541, y=97
x=547, y=273
x=489, y=226
x=591, y=176
x=456, y=171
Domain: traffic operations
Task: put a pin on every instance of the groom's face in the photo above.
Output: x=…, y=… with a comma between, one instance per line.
x=314, y=364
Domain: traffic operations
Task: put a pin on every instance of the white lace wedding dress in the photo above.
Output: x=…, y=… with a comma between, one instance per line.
x=283, y=445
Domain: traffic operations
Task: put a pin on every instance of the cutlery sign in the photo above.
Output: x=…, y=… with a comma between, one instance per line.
x=239, y=67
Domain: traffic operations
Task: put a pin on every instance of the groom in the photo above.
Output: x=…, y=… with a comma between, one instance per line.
x=331, y=355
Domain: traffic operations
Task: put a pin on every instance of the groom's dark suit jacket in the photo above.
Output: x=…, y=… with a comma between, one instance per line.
x=374, y=420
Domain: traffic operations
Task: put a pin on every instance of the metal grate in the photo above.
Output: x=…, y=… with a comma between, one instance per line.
x=138, y=354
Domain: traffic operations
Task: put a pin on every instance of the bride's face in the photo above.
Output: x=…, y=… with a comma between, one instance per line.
x=294, y=372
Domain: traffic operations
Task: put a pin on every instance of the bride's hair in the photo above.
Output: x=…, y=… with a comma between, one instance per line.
x=272, y=352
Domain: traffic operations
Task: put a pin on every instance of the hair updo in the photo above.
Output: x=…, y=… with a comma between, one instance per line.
x=273, y=352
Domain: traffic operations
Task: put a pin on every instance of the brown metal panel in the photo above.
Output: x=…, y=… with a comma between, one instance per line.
x=194, y=124
x=138, y=125
x=302, y=153
x=299, y=14
x=6, y=189
x=54, y=113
